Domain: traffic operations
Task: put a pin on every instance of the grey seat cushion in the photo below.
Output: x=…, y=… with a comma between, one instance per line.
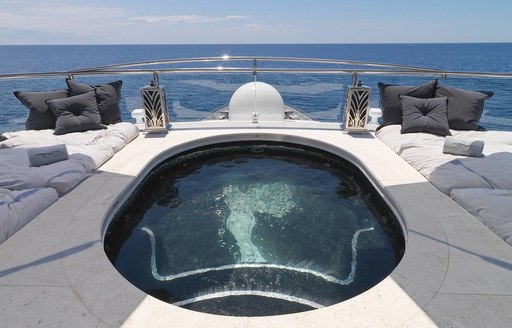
x=491, y=206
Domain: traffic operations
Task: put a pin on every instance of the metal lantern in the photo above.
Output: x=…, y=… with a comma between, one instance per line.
x=357, y=108
x=154, y=101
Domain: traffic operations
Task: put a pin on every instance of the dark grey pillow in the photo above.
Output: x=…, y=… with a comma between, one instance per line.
x=390, y=99
x=40, y=117
x=465, y=107
x=76, y=114
x=108, y=97
x=425, y=115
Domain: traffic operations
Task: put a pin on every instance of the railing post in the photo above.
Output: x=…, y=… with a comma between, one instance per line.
x=254, y=67
x=156, y=80
x=354, y=79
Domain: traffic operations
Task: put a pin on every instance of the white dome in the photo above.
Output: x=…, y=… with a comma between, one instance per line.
x=256, y=97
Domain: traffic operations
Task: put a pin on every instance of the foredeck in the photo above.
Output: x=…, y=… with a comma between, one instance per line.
x=455, y=272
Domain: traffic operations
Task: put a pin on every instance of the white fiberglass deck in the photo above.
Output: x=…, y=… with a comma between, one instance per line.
x=455, y=272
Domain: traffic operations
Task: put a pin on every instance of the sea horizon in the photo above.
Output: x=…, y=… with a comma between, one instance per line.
x=263, y=43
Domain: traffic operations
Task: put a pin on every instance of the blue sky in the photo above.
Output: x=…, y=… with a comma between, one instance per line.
x=263, y=21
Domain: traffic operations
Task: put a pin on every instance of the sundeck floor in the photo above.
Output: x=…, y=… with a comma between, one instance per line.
x=455, y=272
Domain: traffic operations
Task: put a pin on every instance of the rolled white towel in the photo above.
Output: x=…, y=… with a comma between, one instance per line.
x=47, y=155
x=459, y=146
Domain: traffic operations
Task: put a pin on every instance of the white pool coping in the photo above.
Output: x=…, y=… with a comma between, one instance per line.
x=455, y=272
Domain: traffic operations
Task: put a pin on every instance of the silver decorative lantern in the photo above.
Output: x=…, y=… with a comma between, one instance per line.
x=357, y=108
x=154, y=101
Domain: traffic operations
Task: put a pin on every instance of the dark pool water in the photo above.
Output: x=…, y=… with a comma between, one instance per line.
x=253, y=230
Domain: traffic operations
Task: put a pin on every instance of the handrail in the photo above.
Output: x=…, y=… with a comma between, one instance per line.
x=385, y=69
x=252, y=59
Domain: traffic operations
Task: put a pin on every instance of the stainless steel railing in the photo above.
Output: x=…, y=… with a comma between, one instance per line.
x=354, y=68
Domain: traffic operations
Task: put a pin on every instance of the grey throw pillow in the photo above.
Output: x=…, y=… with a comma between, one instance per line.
x=461, y=146
x=390, y=99
x=425, y=115
x=108, y=97
x=40, y=116
x=76, y=114
x=47, y=155
x=465, y=107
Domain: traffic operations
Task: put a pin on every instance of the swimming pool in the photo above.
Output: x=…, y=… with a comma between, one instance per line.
x=254, y=229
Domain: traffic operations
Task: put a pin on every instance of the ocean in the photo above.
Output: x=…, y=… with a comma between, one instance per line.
x=193, y=96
